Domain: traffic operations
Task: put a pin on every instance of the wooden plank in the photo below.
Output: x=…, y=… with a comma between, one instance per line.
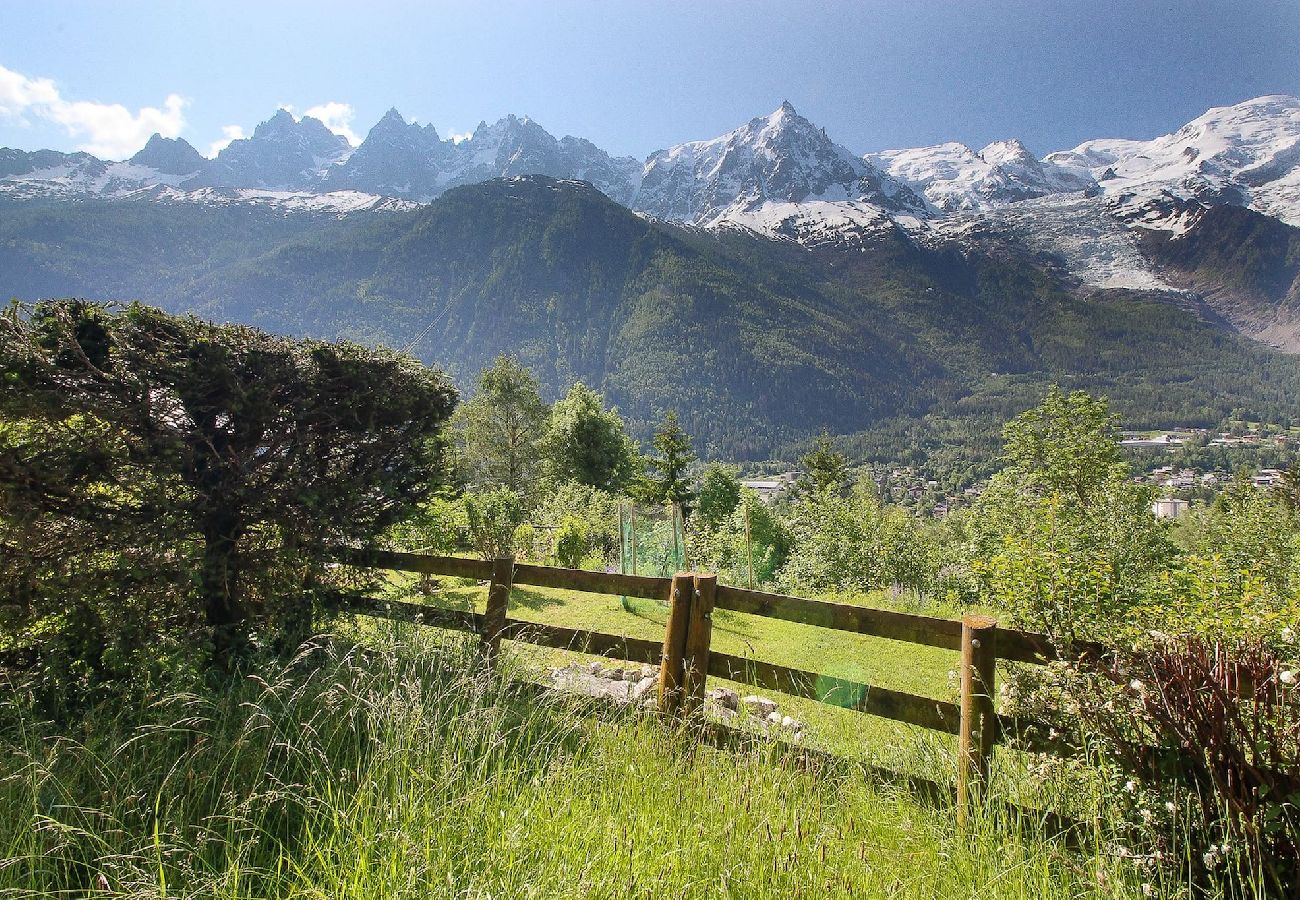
x=374, y=558
x=928, y=630
x=925, y=712
x=436, y=617
x=699, y=633
x=594, y=642
x=594, y=582
x=1030, y=647
x=672, y=666
x=978, y=726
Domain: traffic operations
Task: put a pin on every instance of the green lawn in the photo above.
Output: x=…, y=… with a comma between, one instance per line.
x=917, y=669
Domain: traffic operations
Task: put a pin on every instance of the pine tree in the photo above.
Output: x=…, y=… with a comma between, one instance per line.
x=500, y=427
x=825, y=468
x=666, y=481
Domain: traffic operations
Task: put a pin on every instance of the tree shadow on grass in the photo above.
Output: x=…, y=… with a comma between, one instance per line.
x=656, y=612
x=532, y=599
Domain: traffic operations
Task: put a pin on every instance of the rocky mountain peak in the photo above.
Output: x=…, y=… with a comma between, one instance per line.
x=284, y=153
x=171, y=156
x=781, y=158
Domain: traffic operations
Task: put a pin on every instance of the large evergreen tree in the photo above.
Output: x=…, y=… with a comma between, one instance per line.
x=666, y=480
x=500, y=426
x=825, y=468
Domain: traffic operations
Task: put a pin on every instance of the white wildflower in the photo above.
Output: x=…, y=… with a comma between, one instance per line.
x=1288, y=677
x=1169, y=805
x=1135, y=684
x=1130, y=786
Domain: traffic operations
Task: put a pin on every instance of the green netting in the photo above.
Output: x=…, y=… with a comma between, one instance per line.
x=653, y=540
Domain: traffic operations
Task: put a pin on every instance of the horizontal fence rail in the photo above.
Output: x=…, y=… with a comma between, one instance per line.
x=914, y=629
x=938, y=715
x=686, y=660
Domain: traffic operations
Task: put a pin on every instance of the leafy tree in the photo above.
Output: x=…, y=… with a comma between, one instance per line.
x=150, y=454
x=1289, y=489
x=500, y=426
x=1064, y=540
x=666, y=482
x=493, y=517
x=719, y=495
x=586, y=443
x=853, y=543
x=1065, y=445
x=725, y=550
x=825, y=468
x=596, y=509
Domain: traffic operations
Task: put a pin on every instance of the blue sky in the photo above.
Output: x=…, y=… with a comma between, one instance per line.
x=634, y=77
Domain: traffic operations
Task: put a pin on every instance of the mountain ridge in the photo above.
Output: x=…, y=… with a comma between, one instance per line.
x=1246, y=154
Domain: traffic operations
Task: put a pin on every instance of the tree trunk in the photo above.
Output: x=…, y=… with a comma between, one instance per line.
x=219, y=588
x=299, y=586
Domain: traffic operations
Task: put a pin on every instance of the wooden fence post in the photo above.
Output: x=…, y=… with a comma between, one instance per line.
x=978, y=726
x=672, y=670
x=698, y=635
x=498, y=599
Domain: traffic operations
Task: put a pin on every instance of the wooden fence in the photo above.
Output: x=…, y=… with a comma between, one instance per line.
x=685, y=660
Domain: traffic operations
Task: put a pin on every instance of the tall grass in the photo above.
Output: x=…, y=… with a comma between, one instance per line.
x=401, y=769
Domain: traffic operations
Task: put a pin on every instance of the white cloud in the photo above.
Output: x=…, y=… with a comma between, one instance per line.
x=457, y=137
x=228, y=133
x=107, y=129
x=337, y=118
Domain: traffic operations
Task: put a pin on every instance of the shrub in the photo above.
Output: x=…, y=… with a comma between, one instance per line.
x=493, y=517
x=1222, y=722
x=572, y=542
x=166, y=481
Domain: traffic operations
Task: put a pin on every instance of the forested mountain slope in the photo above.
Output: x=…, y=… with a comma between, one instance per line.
x=757, y=342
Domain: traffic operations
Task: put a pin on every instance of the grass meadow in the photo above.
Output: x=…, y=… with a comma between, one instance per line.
x=387, y=763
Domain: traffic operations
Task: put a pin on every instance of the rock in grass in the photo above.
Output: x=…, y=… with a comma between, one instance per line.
x=725, y=698
x=643, y=690
x=760, y=706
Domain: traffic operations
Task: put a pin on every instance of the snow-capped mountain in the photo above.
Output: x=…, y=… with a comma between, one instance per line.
x=778, y=175
x=762, y=173
x=48, y=173
x=954, y=177
x=284, y=153
x=520, y=146
x=410, y=161
x=1243, y=155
